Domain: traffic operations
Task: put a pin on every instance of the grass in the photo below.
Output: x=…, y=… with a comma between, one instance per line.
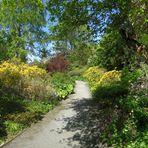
x=17, y=114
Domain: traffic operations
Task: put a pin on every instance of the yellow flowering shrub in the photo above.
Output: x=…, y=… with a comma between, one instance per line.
x=108, y=78
x=11, y=73
x=24, y=80
x=104, y=84
x=31, y=71
x=93, y=74
x=109, y=86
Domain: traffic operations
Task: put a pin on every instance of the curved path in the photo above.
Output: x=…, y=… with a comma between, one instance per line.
x=73, y=124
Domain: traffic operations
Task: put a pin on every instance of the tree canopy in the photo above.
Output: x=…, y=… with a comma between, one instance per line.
x=101, y=15
x=21, y=25
x=76, y=24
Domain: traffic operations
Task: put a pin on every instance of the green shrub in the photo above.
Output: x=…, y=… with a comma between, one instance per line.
x=78, y=71
x=129, y=126
x=109, y=92
x=126, y=92
x=63, y=84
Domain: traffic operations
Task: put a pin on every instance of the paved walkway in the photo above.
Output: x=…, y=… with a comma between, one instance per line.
x=73, y=124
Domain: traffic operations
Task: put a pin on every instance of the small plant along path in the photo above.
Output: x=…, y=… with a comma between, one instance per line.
x=73, y=124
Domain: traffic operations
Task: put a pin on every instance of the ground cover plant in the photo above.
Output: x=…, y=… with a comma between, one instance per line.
x=63, y=84
x=17, y=114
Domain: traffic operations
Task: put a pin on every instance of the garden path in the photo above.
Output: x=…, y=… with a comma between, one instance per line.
x=73, y=124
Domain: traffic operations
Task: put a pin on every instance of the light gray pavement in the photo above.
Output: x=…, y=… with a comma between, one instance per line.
x=73, y=124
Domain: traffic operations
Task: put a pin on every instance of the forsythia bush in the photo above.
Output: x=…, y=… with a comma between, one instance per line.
x=104, y=84
x=20, y=79
x=110, y=77
x=109, y=85
x=10, y=73
x=93, y=75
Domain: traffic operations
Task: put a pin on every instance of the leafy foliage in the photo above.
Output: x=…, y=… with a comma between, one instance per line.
x=93, y=75
x=63, y=84
x=125, y=92
x=77, y=25
x=28, y=92
x=99, y=16
x=129, y=124
x=105, y=85
x=21, y=25
x=57, y=64
x=75, y=43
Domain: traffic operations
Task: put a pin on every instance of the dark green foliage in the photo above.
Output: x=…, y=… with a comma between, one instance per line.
x=112, y=52
x=76, y=72
x=123, y=27
x=17, y=114
x=129, y=121
x=75, y=43
x=110, y=92
x=125, y=93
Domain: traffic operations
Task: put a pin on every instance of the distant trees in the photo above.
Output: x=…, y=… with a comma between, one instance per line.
x=125, y=20
x=21, y=26
x=74, y=44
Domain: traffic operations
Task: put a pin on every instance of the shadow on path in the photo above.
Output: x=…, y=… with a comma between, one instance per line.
x=88, y=123
x=77, y=123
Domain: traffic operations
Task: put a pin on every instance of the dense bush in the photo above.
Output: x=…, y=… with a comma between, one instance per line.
x=77, y=72
x=109, y=86
x=129, y=123
x=57, y=64
x=30, y=82
x=22, y=80
x=104, y=84
x=112, y=52
x=93, y=75
x=28, y=92
x=126, y=94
